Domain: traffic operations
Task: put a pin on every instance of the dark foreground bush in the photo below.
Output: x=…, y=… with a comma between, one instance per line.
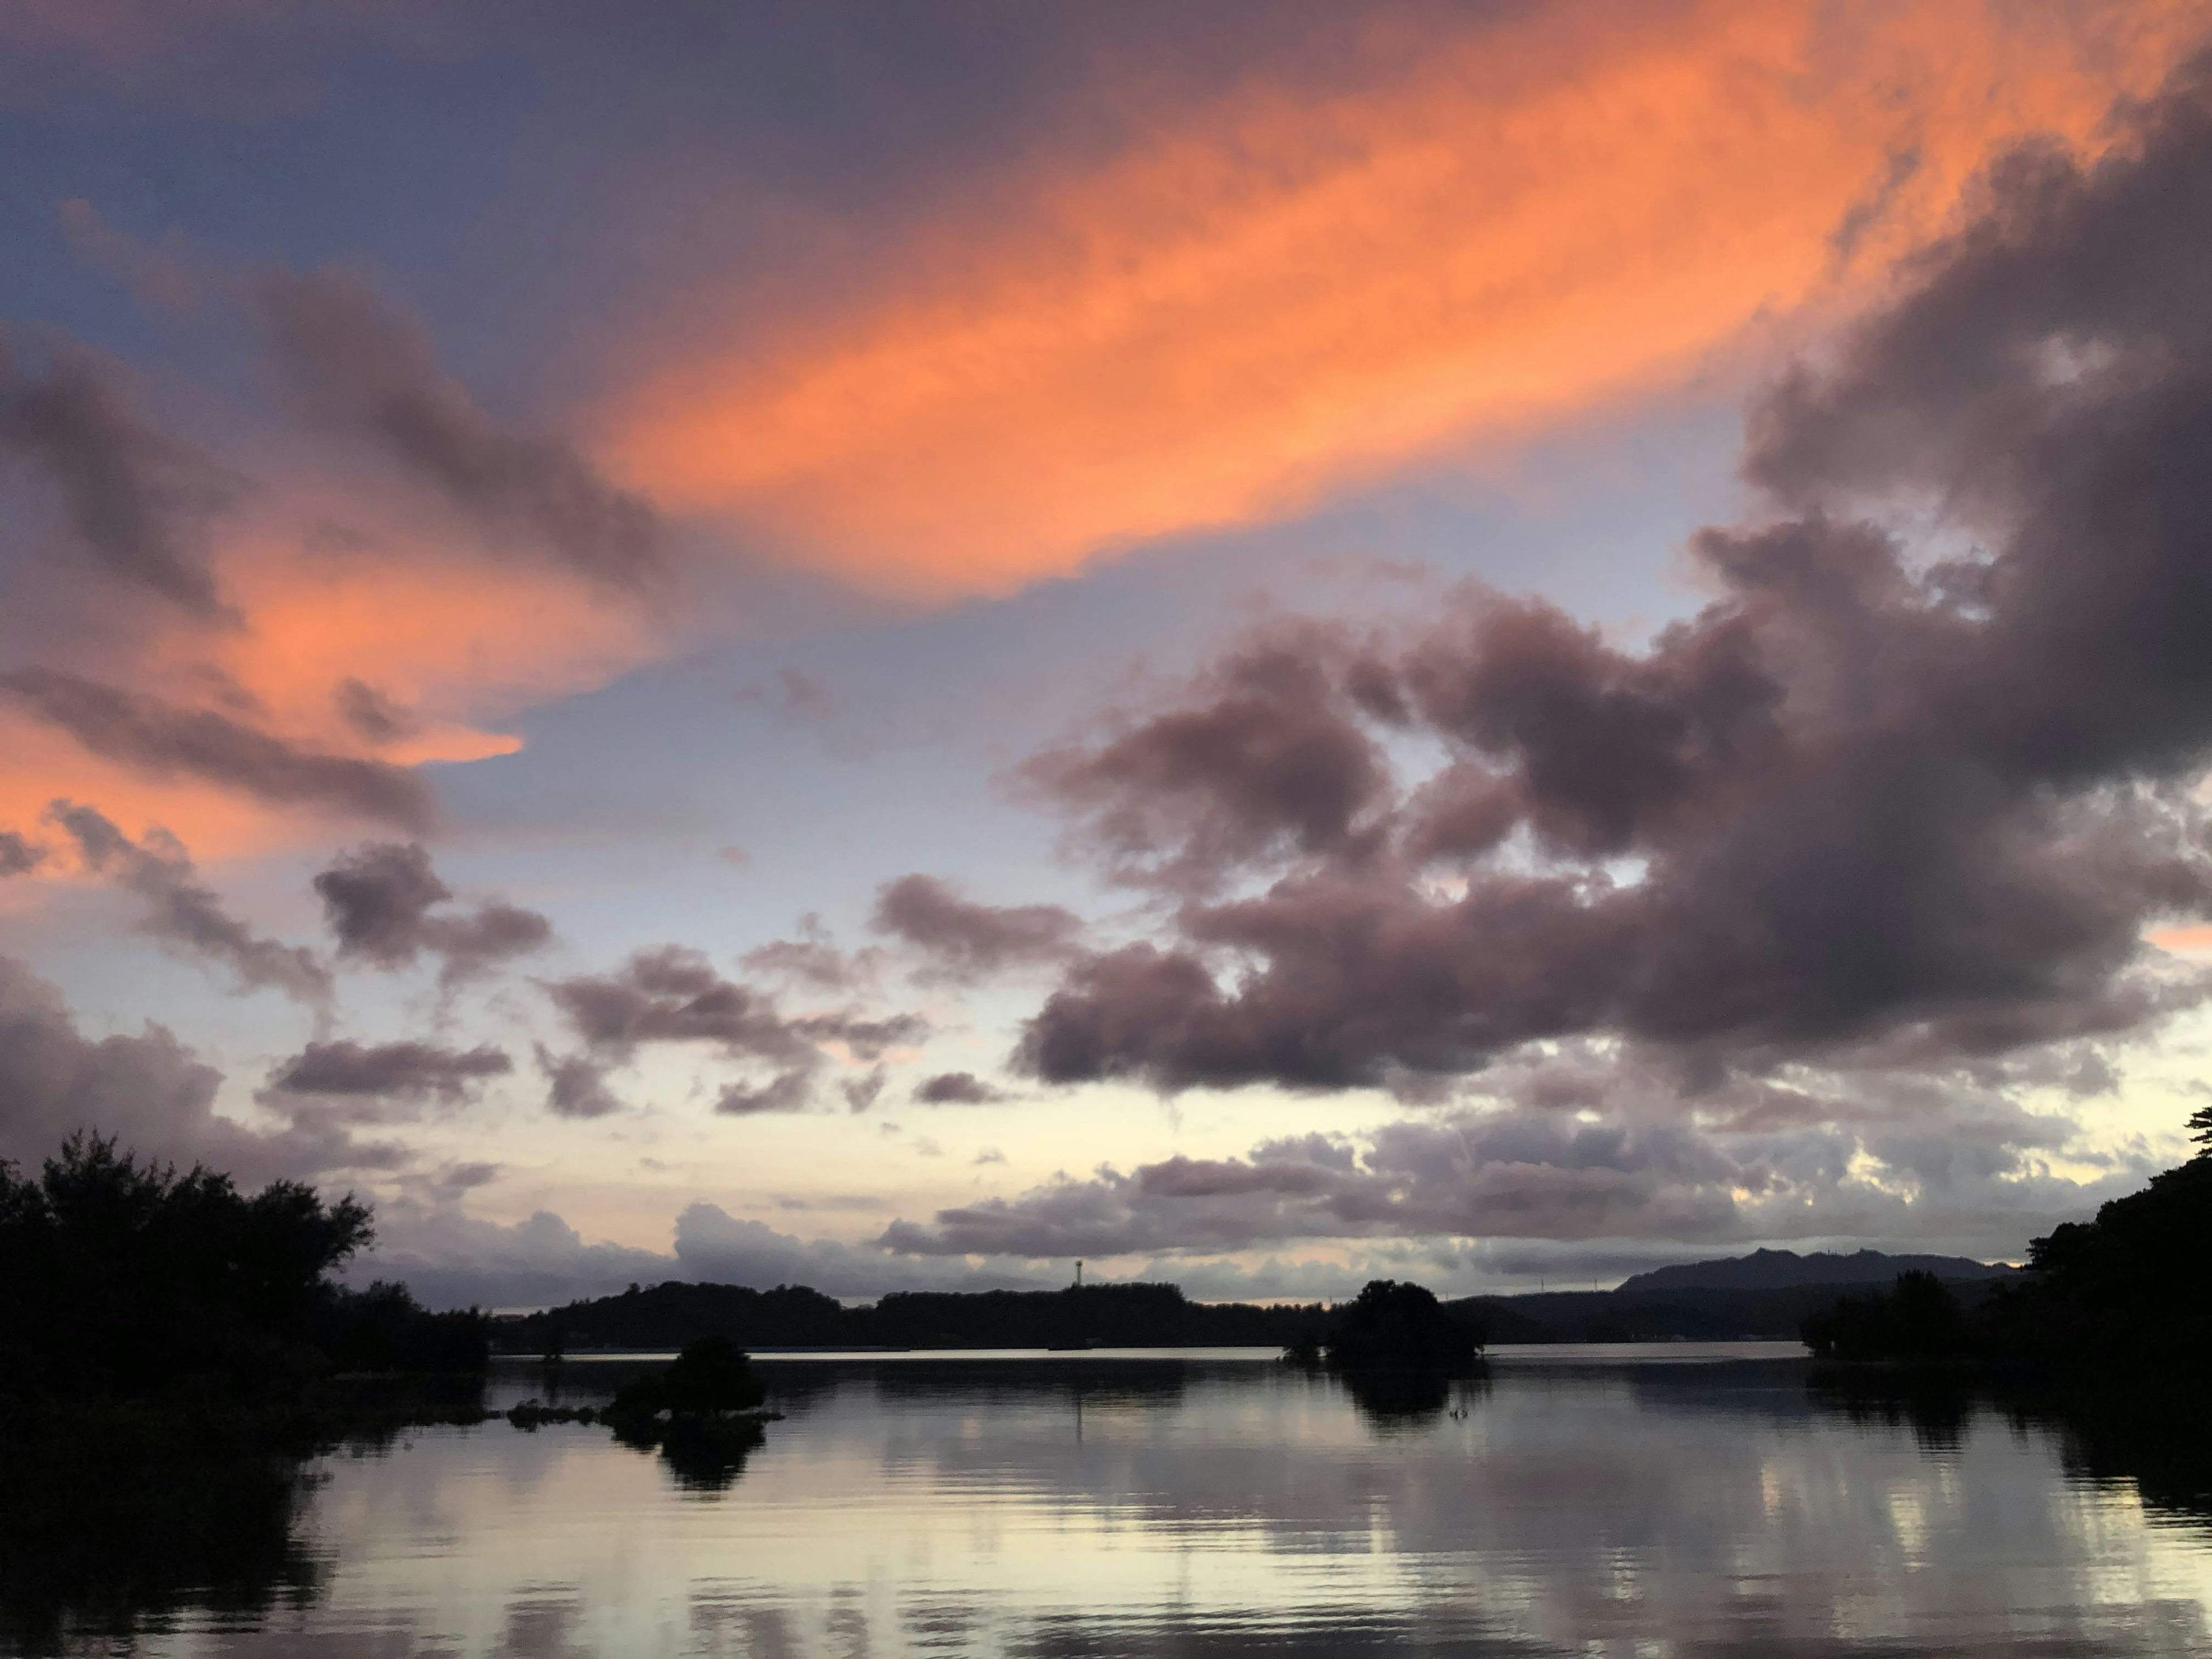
x=130, y=1279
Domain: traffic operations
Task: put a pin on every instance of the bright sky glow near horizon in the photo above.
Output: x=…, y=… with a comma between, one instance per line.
x=885, y=646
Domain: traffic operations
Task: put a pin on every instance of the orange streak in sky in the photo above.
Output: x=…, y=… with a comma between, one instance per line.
x=1285, y=295
x=448, y=639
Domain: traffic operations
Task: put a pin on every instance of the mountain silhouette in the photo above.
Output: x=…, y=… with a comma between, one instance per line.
x=1766, y=1270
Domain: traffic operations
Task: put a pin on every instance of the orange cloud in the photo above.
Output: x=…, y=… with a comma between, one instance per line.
x=1289, y=291
x=441, y=640
x=2182, y=941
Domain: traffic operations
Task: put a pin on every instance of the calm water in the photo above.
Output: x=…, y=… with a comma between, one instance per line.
x=1645, y=1501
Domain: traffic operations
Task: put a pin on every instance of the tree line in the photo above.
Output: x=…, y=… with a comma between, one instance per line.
x=2124, y=1291
x=129, y=1278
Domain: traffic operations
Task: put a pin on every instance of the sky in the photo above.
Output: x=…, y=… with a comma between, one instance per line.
x=887, y=646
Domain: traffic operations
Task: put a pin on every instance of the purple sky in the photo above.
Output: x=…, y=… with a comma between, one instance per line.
x=882, y=646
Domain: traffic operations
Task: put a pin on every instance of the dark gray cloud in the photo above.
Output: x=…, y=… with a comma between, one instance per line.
x=955, y=1089
x=355, y=363
x=164, y=741
x=389, y=1071
x=150, y=1091
x=374, y=716
x=576, y=1085
x=965, y=940
x=1879, y=794
x=379, y=898
x=787, y=1091
x=19, y=857
x=183, y=913
x=137, y=502
x=862, y=1093
x=672, y=994
x=1266, y=755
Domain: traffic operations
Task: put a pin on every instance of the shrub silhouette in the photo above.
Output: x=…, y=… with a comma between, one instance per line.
x=710, y=1377
x=1394, y=1326
x=128, y=1277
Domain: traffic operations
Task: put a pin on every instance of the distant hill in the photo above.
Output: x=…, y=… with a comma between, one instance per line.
x=1774, y=1270
x=792, y=1316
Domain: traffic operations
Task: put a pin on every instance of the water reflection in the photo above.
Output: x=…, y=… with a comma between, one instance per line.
x=116, y=1521
x=109, y=1551
x=2157, y=1440
x=1154, y=1506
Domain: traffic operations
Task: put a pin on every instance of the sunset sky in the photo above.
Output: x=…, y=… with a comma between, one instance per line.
x=884, y=645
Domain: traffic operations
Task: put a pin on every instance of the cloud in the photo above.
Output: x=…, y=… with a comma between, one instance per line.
x=862, y=1093
x=377, y=900
x=1392, y=236
x=955, y=1088
x=185, y=914
x=19, y=857
x=168, y=277
x=450, y=1259
x=787, y=1091
x=1580, y=1149
x=389, y=1071
x=715, y=1246
x=968, y=941
x=148, y=1090
x=576, y=1085
x=137, y=502
x=357, y=363
x=372, y=714
x=1268, y=755
x=1878, y=796
x=146, y=734
x=813, y=960
x=671, y=994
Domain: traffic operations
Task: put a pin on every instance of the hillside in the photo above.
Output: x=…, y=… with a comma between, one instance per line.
x=792, y=1316
x=1766, y=1270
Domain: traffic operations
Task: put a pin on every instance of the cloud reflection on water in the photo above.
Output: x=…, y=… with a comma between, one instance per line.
x=1086, y=1507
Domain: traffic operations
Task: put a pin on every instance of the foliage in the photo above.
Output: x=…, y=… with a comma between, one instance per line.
x=2127, y=1287
x=793, y=1316
x=1400, y=1327
x=2124, y=1290
x=699, y=1412
x=711, y=1376
x=384, y=1329
x=1918, y=1318
x=124, y=1277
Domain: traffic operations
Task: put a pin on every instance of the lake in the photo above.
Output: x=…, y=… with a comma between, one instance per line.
x=1668, y=1499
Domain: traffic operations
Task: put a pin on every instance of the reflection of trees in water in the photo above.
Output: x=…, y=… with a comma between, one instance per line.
x=1935, y=1404
x=705, y=1454
x=1392, y=1402
x=96, y=1545
x=2152, y=1436
x=116, y=1517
